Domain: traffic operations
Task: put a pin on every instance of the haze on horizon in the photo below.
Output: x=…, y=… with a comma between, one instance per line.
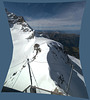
x=50, y=16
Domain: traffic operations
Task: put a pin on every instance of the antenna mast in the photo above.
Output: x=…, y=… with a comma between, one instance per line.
x=29, y=71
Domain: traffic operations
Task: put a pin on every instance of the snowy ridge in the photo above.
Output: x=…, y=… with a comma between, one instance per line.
x=50, y=65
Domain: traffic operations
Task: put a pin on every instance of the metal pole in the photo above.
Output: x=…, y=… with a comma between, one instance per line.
x=52, y=92
x=69, y=81
x=29, y=71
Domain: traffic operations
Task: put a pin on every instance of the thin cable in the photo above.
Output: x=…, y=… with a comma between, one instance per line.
x=17, y=64
x=17, y=77
x=14, y=74
x=11, y=77
x=44, y=62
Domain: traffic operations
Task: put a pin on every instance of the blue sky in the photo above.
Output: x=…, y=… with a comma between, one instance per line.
x=50, y=16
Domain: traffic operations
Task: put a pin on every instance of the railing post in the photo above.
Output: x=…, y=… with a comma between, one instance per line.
x=69, y=81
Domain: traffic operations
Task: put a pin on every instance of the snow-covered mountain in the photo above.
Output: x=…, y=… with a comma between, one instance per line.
x=51, y=68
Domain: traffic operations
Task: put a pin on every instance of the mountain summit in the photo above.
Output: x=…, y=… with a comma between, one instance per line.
x=41, y=63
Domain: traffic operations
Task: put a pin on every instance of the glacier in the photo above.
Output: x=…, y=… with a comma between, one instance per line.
x=50, y=66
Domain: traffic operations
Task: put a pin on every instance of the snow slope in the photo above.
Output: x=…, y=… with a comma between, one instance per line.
x=50, y=66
